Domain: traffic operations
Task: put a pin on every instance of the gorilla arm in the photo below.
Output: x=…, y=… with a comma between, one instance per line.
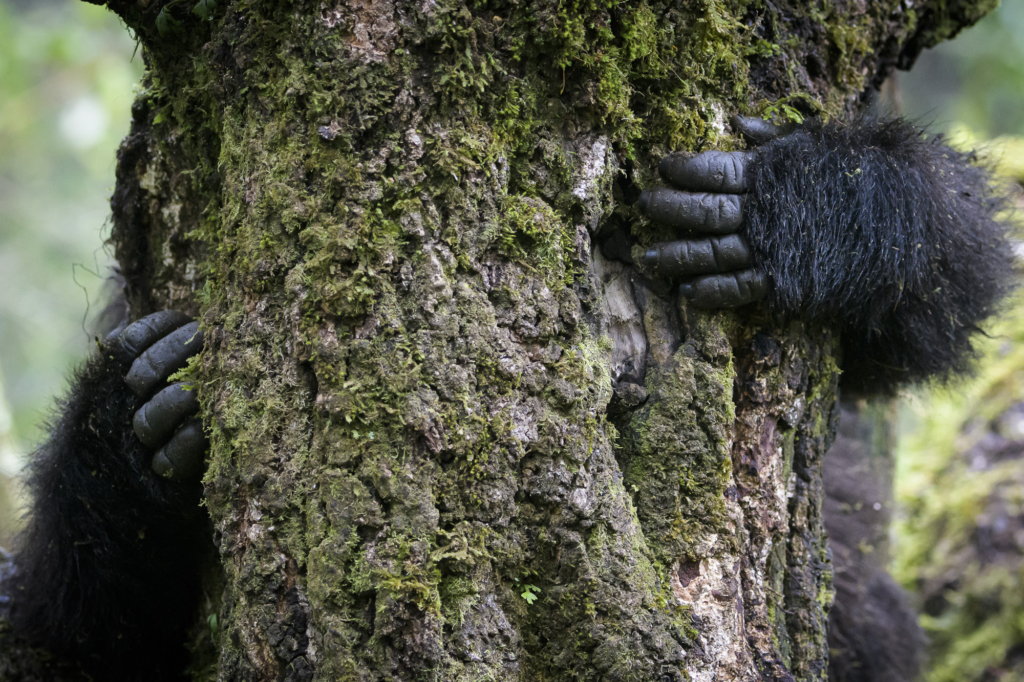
x=107, y=570
x=890, y=237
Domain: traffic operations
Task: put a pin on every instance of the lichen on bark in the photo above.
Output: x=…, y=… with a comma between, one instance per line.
x=385, y=213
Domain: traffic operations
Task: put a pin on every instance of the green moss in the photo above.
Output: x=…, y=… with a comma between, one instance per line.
x=949, y=17
x=530, y=225
x=851, y=42
x=680, y=455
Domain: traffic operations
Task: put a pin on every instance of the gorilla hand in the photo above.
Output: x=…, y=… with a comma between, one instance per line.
x=157, y=346
x=707, y=197
x=872, y=228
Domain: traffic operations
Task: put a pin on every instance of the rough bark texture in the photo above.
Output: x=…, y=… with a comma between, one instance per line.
x=450, y=440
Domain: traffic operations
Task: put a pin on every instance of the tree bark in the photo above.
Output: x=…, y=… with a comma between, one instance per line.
x=450, y=439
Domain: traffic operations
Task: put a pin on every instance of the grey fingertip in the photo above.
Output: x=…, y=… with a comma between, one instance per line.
x=111, y=338
x=669, y=162
x=651, y=258
x=644, y=199
x=182, y=458
x=157, y=419
x=162, y=466
x=140, y=335
x=163, y=358
x=686, y=290
x=756, y=130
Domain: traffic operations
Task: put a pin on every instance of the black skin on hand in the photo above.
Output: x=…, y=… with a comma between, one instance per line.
x=107, y=571
x=706, y=200
x=159, y=345
x=888, y=236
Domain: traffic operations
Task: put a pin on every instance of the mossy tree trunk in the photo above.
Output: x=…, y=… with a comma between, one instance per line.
x=450, y=440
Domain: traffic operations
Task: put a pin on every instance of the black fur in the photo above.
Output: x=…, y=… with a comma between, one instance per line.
x=873, y=635
x=107, y=570
x=889, y=235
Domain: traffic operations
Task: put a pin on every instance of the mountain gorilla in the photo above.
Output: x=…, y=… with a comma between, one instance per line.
x=889, y=237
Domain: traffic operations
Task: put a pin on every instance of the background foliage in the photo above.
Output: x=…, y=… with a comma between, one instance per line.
x=66, y=80
x=959, y=542
x=975, y=80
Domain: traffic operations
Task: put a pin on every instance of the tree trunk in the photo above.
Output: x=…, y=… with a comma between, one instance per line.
x=450, y=439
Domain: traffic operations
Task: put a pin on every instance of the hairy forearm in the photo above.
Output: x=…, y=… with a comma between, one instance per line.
x=892, y=238
x=106, y=573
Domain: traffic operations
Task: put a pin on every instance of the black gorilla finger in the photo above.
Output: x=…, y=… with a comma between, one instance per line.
x=689, y=257
x=707, y=171
x=138, y=336
x=758, y=130
x=157, y=419
x=163, y=358
x=730, y=290
x=182, y=457
x=709, y=213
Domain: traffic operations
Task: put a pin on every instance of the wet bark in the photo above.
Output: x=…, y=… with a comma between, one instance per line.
x=451, y=440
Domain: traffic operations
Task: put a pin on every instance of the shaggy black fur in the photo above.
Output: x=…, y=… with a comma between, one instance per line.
x=889, y=235
x=107, y=571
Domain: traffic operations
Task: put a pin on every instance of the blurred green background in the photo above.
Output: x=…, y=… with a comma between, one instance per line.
x=66, y=86
x=976, y=79
x=67, y=75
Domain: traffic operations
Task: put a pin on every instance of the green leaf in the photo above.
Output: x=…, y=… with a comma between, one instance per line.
x=530, y=593
x=204, y=9
x=166, y=24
